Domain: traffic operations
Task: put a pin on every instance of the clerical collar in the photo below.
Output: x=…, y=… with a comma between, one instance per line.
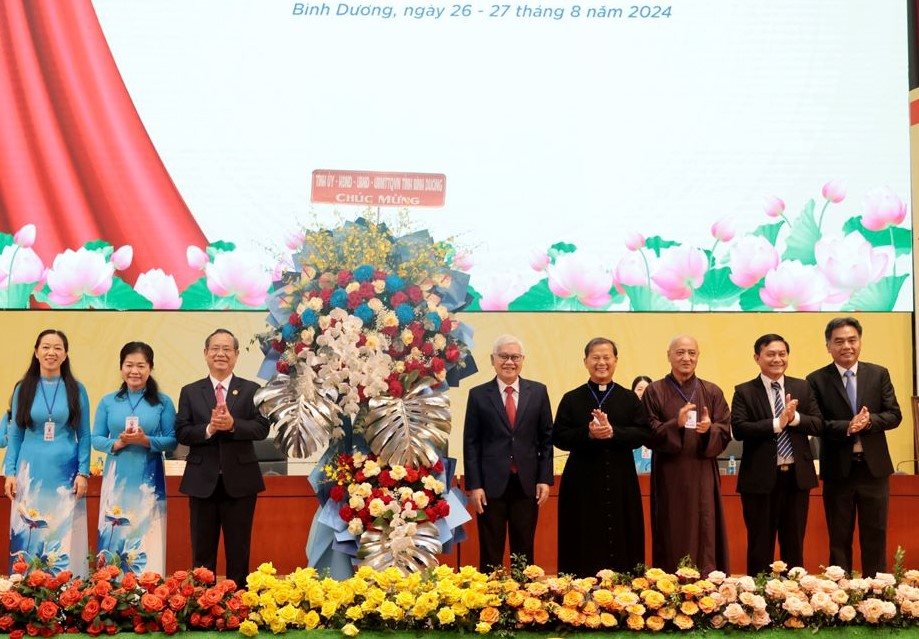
x=600, y=391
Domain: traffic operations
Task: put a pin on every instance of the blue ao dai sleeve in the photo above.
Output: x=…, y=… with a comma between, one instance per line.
x=84, y=436
x=14, y=443
x=163, y=436
x=102, y=439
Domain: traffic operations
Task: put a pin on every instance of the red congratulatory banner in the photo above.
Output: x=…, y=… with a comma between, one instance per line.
x=377, y=188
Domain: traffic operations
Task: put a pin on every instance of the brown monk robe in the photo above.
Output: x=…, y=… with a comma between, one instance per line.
x=687, y=518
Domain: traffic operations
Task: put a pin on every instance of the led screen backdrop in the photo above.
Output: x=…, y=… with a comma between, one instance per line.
x=596, y=156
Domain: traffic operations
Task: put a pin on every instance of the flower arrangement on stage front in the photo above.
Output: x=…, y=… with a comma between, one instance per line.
x=361, y=346
x=35, y=602
x=653, y=600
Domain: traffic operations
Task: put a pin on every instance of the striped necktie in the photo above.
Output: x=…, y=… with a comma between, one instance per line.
x=782, y=439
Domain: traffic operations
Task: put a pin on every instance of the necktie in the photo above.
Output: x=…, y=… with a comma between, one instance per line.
x=221, y=397
x=850, y=390
x=509, y=405
x=783, y=439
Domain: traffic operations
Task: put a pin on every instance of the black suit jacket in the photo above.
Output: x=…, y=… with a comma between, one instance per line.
x=752, y=413
x=489, y=442
x=874, y=390
x=231, y=454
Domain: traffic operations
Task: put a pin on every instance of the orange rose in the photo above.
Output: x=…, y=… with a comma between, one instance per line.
x=180, y=575
x=47, y=611
x=90, y=610
x=655, y=623
x=102, y=588
x=37, y=578
x=177, y=602
x=129, y=582
x=19, y=566
x=6, y=622
x=10, y=599
x=635, y=622
x=203, y=575
x=148, y=580
x=27, y=604
x=151, y=603
x=108, y=603
x=489, y=615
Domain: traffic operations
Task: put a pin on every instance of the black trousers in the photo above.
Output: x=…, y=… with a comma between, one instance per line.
x=864, y=497
x=232, y=514
x=781, y=513
x=512, y=512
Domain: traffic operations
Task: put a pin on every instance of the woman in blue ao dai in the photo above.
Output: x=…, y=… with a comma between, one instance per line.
x=134, y=426
x=47, y=461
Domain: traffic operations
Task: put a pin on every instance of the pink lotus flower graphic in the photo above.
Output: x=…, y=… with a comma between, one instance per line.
x=123, y=257
x=773, y=206
x=883, y=208
x=589, y=283
x=630, y=271
x=23, y=263
x=681, y=271
x=238, y=275
x=498, y=292
x=539, y=260
x=849, y=263
x=751, y=258
x=634, y=241
x=25, y=237
x=795, y=287
x=724, y=229
x=78, y=274
x=196, y=258
x=159, y=288
x=834, y=191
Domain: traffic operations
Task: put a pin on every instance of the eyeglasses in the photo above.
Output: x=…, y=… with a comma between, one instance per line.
x=509, y=357
x=225, y=350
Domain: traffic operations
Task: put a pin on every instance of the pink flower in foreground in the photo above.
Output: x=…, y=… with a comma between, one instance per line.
x=25, y=237
x=196, y=258
x=26, y=265
x=539, y=260
x=123, y=257
x=849, y=263
x=773, y=206
x=882, y=209
x=571, y=277
x=681, y=271
x=635, y=241
x=234, y=274
x=751, y=258
x=794, y=286
x=630, y=271
x=462, y=261
x=834, y=191
x=75, y=274
x=724, y=229
x=159, y=288
x=294, y=239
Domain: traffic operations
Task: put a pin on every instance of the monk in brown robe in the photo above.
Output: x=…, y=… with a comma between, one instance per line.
x=690, y=421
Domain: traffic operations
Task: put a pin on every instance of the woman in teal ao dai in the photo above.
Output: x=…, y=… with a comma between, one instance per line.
x=47, y=461
x=134, y=426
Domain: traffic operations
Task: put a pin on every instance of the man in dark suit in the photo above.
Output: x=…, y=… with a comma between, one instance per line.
x=773, y=415
x=507, y=446
x=858, y=404
x=218, y=421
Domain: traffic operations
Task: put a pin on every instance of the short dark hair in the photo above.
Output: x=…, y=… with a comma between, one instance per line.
x=839, y=322
x=597, y=341
x=639, y=379
x=219, y=331
x=767, y=339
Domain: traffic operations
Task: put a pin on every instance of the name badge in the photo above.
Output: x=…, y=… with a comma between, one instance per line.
x=49, y=431
x=131, y=423
x=645, y=453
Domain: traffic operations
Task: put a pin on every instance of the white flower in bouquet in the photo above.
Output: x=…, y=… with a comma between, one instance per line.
x=356, y=526
x=746, y=583
x=882, y=580
x=397, y=472
x=834, y=572
x=775, y=589
x=846, y=613
x=839, y=596
x=371, y=468
x=431, y=483
x=358, y=458
x=778, y=566
x=356, y=503
x=377, y=507
x=395, y=507
x=421, y=499
x=809, y=583
x=796, y=573
x=716, y=577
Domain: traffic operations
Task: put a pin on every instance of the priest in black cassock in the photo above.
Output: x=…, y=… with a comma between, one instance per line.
x=600, y=520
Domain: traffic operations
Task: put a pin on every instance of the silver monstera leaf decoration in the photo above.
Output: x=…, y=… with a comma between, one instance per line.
x=409, y=430
x=410, y=548
x=303, y=414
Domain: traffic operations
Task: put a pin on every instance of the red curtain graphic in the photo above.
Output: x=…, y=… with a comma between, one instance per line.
x=75, y=158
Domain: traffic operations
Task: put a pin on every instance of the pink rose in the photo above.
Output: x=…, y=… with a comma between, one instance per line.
x=882, y=209
x=794, y=286
x=589, y=283
x=681, y=271
x=196, y=258
x=751, y=258
x=123, y=257
x=75, y=274
x=834, y=191
x=773, y=206
x=724, y=229
x=159, y=288
x=25, y=237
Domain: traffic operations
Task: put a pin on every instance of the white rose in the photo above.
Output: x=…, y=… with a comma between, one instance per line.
x=377, y=507
x=356, y=503
x=421, y=499
x=355, y=526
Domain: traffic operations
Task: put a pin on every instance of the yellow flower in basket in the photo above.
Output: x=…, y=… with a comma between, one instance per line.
x=667, y=612
x=603, y=597
x=532, y=604
x=483, y=628
x=349, y=630
x=640, y=583
x=653, y=599
x=354, y=613
x=515, y=599
x=445, y=616
x=608, y=620
x=329, y=608
x=654, y=623
x=534, y=572
x=311, y=620
x=566, y=615
x=689, y=608
x=573, y=598
x=248, y=628
x=667, y=586
x=683, y=622
x=635, y=622
x=278, y=626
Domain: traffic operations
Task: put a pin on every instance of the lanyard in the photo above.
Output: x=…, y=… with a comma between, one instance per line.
x=599, y=399
x=135, y=404
x=695, y=387
x=50, y=406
